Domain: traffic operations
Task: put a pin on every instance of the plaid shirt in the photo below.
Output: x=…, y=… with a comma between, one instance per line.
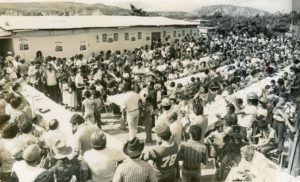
x=134, y=170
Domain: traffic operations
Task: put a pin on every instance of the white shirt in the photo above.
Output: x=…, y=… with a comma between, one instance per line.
x=102, y=163
x=32, y=74
x=25, y=172
x=131, y=103
x=51, y=78
x=250, y=113
x=176, y=130
x=78, y=80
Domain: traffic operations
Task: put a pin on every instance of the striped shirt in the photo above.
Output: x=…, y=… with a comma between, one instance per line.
x=193, y=153
x=134, y=170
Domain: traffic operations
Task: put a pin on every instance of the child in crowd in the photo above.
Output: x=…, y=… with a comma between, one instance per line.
x=65, y=92
x=72, y=101
x=98, y=107
x=88, y=107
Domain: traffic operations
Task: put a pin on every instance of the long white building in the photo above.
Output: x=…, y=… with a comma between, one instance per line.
x=65, y=36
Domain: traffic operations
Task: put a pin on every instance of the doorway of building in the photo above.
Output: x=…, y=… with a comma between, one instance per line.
x=155, y=39
x=5, y=46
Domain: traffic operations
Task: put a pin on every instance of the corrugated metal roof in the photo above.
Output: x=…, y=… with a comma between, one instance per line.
x=72, y=22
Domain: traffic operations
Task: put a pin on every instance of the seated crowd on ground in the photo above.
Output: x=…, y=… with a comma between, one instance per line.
x=175, y=111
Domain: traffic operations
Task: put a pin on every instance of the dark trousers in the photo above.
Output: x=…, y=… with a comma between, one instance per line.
x=148, y=122
x=191, y=175
x=267, y=148
x=78, y=92
x=167, y=177
x=52, y=92
x=279, y=128
x=243, y=133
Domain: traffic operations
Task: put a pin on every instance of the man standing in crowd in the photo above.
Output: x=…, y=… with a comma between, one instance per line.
x=166, y=105
x=164, y=155
x=133, y=169
x=101, y=159
x=132, y=113
x=79, y=83
x=193, y=153
x=248, y=115
x=28, y=169
x=51, y=83
x=82, y=134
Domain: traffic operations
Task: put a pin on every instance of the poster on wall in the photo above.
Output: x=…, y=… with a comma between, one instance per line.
x=24, y=44
x=82, y=45
x=58, y=47
x=110, y=38
x=147, y=36
x=97, y=38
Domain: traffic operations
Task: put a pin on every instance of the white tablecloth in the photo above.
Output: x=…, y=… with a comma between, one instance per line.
x=120, y=99
x=216, y=107
x=39, y=100
x=262, y=170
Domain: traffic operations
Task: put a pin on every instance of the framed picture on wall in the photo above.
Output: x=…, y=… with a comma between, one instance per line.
x=24, y=46
x=58, y=47
x=82, y=45
x=110, y=40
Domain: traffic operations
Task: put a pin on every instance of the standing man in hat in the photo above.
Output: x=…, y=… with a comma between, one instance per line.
x=166, y=105
x=66, y=168
x=134, y=169
x=102, y=160
x=163, y=156
x=28, y=169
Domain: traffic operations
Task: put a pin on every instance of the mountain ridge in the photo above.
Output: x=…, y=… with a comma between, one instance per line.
x=76, y=8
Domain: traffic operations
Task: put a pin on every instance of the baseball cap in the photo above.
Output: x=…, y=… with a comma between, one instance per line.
x=162, y=129
x=166, y=102
x=98, y=138
x=31, y=153
x=252, y=96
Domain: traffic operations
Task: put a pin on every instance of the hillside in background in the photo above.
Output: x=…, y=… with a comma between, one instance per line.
x=225, y=10
x=61, y=8
x=71, y=8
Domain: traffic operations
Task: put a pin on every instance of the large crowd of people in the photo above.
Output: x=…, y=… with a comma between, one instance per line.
x=266, y=121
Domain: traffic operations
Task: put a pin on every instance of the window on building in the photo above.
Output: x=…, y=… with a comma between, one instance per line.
x=139, y=35
x=191, y=32
x=104, y=37
x=174, y=34
x=179, y=35
x=126, y=36
x=183, y=32
x=116, y=36
x=164, y=33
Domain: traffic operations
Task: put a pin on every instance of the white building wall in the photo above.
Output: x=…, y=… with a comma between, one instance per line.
x=70, y=40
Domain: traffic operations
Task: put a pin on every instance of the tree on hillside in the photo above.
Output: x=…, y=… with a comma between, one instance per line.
x=137, y=11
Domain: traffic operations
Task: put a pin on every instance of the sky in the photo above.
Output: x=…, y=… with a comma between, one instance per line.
x=187, y=5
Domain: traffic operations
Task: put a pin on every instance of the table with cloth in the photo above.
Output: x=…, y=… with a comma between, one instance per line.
x=260, y=169
x=218, y=106
x=38, y=100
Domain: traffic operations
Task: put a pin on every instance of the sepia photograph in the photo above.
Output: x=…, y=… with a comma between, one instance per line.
x=149, y=90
